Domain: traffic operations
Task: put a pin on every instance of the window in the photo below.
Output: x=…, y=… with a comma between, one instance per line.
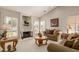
x=14, y=26
x=36, y=27
x=73, y=22
x=39, y=26
x=42, y=26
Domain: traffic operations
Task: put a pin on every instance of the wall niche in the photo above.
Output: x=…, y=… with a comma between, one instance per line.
x=26, y=20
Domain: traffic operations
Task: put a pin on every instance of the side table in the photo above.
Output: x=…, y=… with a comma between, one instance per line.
x=3, y=43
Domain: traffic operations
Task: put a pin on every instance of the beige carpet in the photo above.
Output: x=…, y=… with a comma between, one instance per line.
x=28, y=45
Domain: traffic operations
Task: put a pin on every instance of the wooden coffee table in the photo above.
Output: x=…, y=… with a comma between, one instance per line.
x=41, y=40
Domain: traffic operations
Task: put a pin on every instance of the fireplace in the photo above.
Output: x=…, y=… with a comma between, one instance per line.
x=27, y=34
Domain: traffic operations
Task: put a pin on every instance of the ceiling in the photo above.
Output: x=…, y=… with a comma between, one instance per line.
x=37, y=11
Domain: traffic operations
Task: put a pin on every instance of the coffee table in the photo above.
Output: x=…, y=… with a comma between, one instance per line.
x=41, y=40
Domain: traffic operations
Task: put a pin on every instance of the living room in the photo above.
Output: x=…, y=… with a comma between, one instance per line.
x=43, y=28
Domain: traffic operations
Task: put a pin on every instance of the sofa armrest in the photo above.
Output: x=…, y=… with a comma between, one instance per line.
x=52, y=47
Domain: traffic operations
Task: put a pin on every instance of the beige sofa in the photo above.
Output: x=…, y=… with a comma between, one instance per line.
x=71, y=43
x=52, y=47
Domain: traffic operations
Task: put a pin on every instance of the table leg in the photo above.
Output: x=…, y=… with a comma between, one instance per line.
x=36, y=42
x=14, y=45
x=3, y=46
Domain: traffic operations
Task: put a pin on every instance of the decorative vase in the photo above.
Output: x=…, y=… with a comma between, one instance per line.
x=39, y=34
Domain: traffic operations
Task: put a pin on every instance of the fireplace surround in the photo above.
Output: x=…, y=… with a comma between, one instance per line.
x=27, y=34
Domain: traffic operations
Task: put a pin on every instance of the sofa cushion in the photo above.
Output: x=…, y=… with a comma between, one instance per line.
x=64, y=35
x=76, y=45
x=53, y=37
x=69, y=43
x=75, y=36
x=51, y=31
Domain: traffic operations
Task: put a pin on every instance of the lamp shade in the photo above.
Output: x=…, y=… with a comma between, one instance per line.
x=69, y=27
x=5, y=27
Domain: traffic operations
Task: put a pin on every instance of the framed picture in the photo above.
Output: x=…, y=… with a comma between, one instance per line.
x=54, y=22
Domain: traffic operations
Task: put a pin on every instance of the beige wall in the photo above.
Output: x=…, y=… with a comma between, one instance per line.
x=62, y=13
x=10, y=13
x=21, y=28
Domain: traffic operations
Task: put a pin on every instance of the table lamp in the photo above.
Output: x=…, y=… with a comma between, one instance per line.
x=68, y=28
x=5, y=27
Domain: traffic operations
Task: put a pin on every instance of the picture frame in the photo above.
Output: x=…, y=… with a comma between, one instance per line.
x=54, y=22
